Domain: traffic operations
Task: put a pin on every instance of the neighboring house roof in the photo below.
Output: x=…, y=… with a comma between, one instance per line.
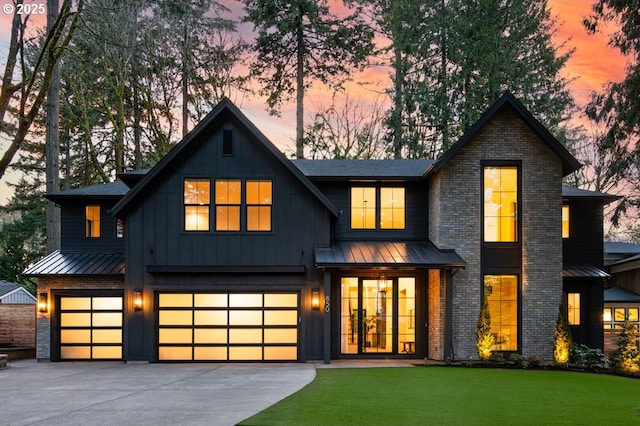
x=418, y=254
x=614, y=247
x=569, y=163
x=224, y=106
x=571, y=192
x=112, y=190
x=10, y=290
x=76, y=263
x=363, y=169
x=617, y=294
x=583, y=271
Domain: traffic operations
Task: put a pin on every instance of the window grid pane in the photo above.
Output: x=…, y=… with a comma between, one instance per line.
x=92, y=214
x=392, y=208
x=363, y=208
x=573, y=303
x=259, y=200
x=228, y=197
x=197, y=198
x=500, y=204
x=502, y=295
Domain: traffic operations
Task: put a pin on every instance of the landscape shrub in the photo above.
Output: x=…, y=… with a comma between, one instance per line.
x=582, y=356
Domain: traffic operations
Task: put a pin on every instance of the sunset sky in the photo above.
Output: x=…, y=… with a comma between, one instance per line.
x=591, y=66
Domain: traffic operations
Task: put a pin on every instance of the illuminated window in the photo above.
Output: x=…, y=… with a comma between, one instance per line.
x=391, y=208
x=228, y=197
x=196, y=204
x=259, y=202
x=502, y=295
x=500, y=204
x=363, y=208
x=565, y=221
x=119, y=229
x=92, y=227
x=573, y=303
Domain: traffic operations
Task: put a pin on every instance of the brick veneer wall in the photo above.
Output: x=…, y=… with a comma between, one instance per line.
x=435, y=320
x=46, y=284
x=18, y=324
x=455, y=222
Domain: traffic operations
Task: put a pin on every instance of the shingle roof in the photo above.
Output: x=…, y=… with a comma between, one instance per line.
x=614, y=247
x=114, y=190
x=413, y=254
x=373, y=169
x=571, y=192
x=6, y=287
x=625, y=260
x=617, y=294
x=583, y=271
x=75, y=263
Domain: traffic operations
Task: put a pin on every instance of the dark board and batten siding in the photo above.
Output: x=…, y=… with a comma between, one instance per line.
x=584, y=245
x=73, y=225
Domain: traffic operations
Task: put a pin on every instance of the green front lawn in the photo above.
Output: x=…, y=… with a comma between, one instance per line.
x=438, y=395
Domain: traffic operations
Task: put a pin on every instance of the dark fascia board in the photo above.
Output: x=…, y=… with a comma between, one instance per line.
x=571, y=193
x=218, y=110
x=569, y=163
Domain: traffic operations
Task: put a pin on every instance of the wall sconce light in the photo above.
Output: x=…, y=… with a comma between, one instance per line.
x=137, y=300
x=43, y=302
x=315, y=299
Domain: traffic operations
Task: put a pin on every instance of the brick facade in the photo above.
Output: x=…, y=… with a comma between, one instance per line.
x=455, y=222
x=49, y=284
x=18, y=324
x=435, y=319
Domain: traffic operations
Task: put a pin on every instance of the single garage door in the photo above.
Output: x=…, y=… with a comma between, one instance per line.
x=90, y=327
x=228, y=326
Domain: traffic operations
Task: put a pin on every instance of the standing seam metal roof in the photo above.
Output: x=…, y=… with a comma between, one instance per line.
x=75, y=263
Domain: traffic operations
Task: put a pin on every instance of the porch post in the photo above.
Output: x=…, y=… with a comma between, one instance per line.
x=327, y=317
x=448, y=316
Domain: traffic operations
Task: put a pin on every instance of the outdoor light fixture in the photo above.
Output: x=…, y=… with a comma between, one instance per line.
x=137, y=300
x=43, y=302
x=315, y=299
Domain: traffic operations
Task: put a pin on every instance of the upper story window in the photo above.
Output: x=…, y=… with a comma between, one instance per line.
x=197, y=199
x=500, y=204
x=565, y=221
x=259, y=202
x=364, y=208
x=92, y=222
x=228, y=199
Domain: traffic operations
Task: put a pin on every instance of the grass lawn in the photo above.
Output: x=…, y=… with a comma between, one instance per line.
x=438, y=395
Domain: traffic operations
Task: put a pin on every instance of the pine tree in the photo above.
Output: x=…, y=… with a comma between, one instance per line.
x=562, y=335
x=626, y=358
x=484, y=338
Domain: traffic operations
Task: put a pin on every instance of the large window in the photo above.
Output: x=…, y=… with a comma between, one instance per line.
x=259, y=202
x=228, y=198
x=92, y=222
x=197, y=196
x=573, y=304
x=502, y=295
x=501, y=204
x=364, y=208
x=565, y=221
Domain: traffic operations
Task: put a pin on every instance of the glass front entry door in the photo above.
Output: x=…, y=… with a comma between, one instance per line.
x=377, y=315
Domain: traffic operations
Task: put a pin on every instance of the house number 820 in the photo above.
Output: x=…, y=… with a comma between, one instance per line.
x=327, y=303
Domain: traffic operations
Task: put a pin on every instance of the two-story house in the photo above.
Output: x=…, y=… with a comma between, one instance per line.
x=228, y=251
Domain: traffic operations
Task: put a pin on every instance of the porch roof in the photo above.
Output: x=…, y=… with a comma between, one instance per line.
x=74, y=263
x=583, y=271
x=386, y=254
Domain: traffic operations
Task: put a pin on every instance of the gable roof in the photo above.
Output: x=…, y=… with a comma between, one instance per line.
x=363, y=169
x=618, y=294
x=225, y=106
x=111, y=190
x=8, y=288
x=569, y=163
x=584, y=194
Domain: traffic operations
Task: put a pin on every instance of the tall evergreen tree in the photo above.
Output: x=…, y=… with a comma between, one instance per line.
x=301, y=40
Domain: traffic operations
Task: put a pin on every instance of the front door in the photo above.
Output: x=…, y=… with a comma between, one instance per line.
x=377, y=315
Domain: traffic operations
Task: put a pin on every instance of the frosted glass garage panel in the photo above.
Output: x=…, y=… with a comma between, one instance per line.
x=245, y=317
x=210, y=301
x=215, y=353
x=176, y=317
x=289, y=300
x=75, y=303
x=210, y=336
x=107, y=319
x=71, y=319
x=280, y=353
x=174, y=353
x=280, y=335
x=210, y=318
x=75, y=352
x=245, y=335
x=175, y=335
x=175, y=300
x=107, y=352
x=107, y=336
x=280, y=317
x=75, y=336
x=245, y=300
x=245, y=353
x=107, y=303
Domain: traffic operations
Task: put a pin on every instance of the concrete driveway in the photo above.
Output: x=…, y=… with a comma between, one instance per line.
x=111, y=393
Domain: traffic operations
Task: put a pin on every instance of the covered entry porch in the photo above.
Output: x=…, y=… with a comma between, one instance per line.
x=386, y=299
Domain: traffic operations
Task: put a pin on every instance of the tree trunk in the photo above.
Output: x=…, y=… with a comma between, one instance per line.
x=300, y=95
x=185, y=82
x=52, y=150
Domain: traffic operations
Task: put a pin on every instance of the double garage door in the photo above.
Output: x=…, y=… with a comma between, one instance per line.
x=228, y=326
